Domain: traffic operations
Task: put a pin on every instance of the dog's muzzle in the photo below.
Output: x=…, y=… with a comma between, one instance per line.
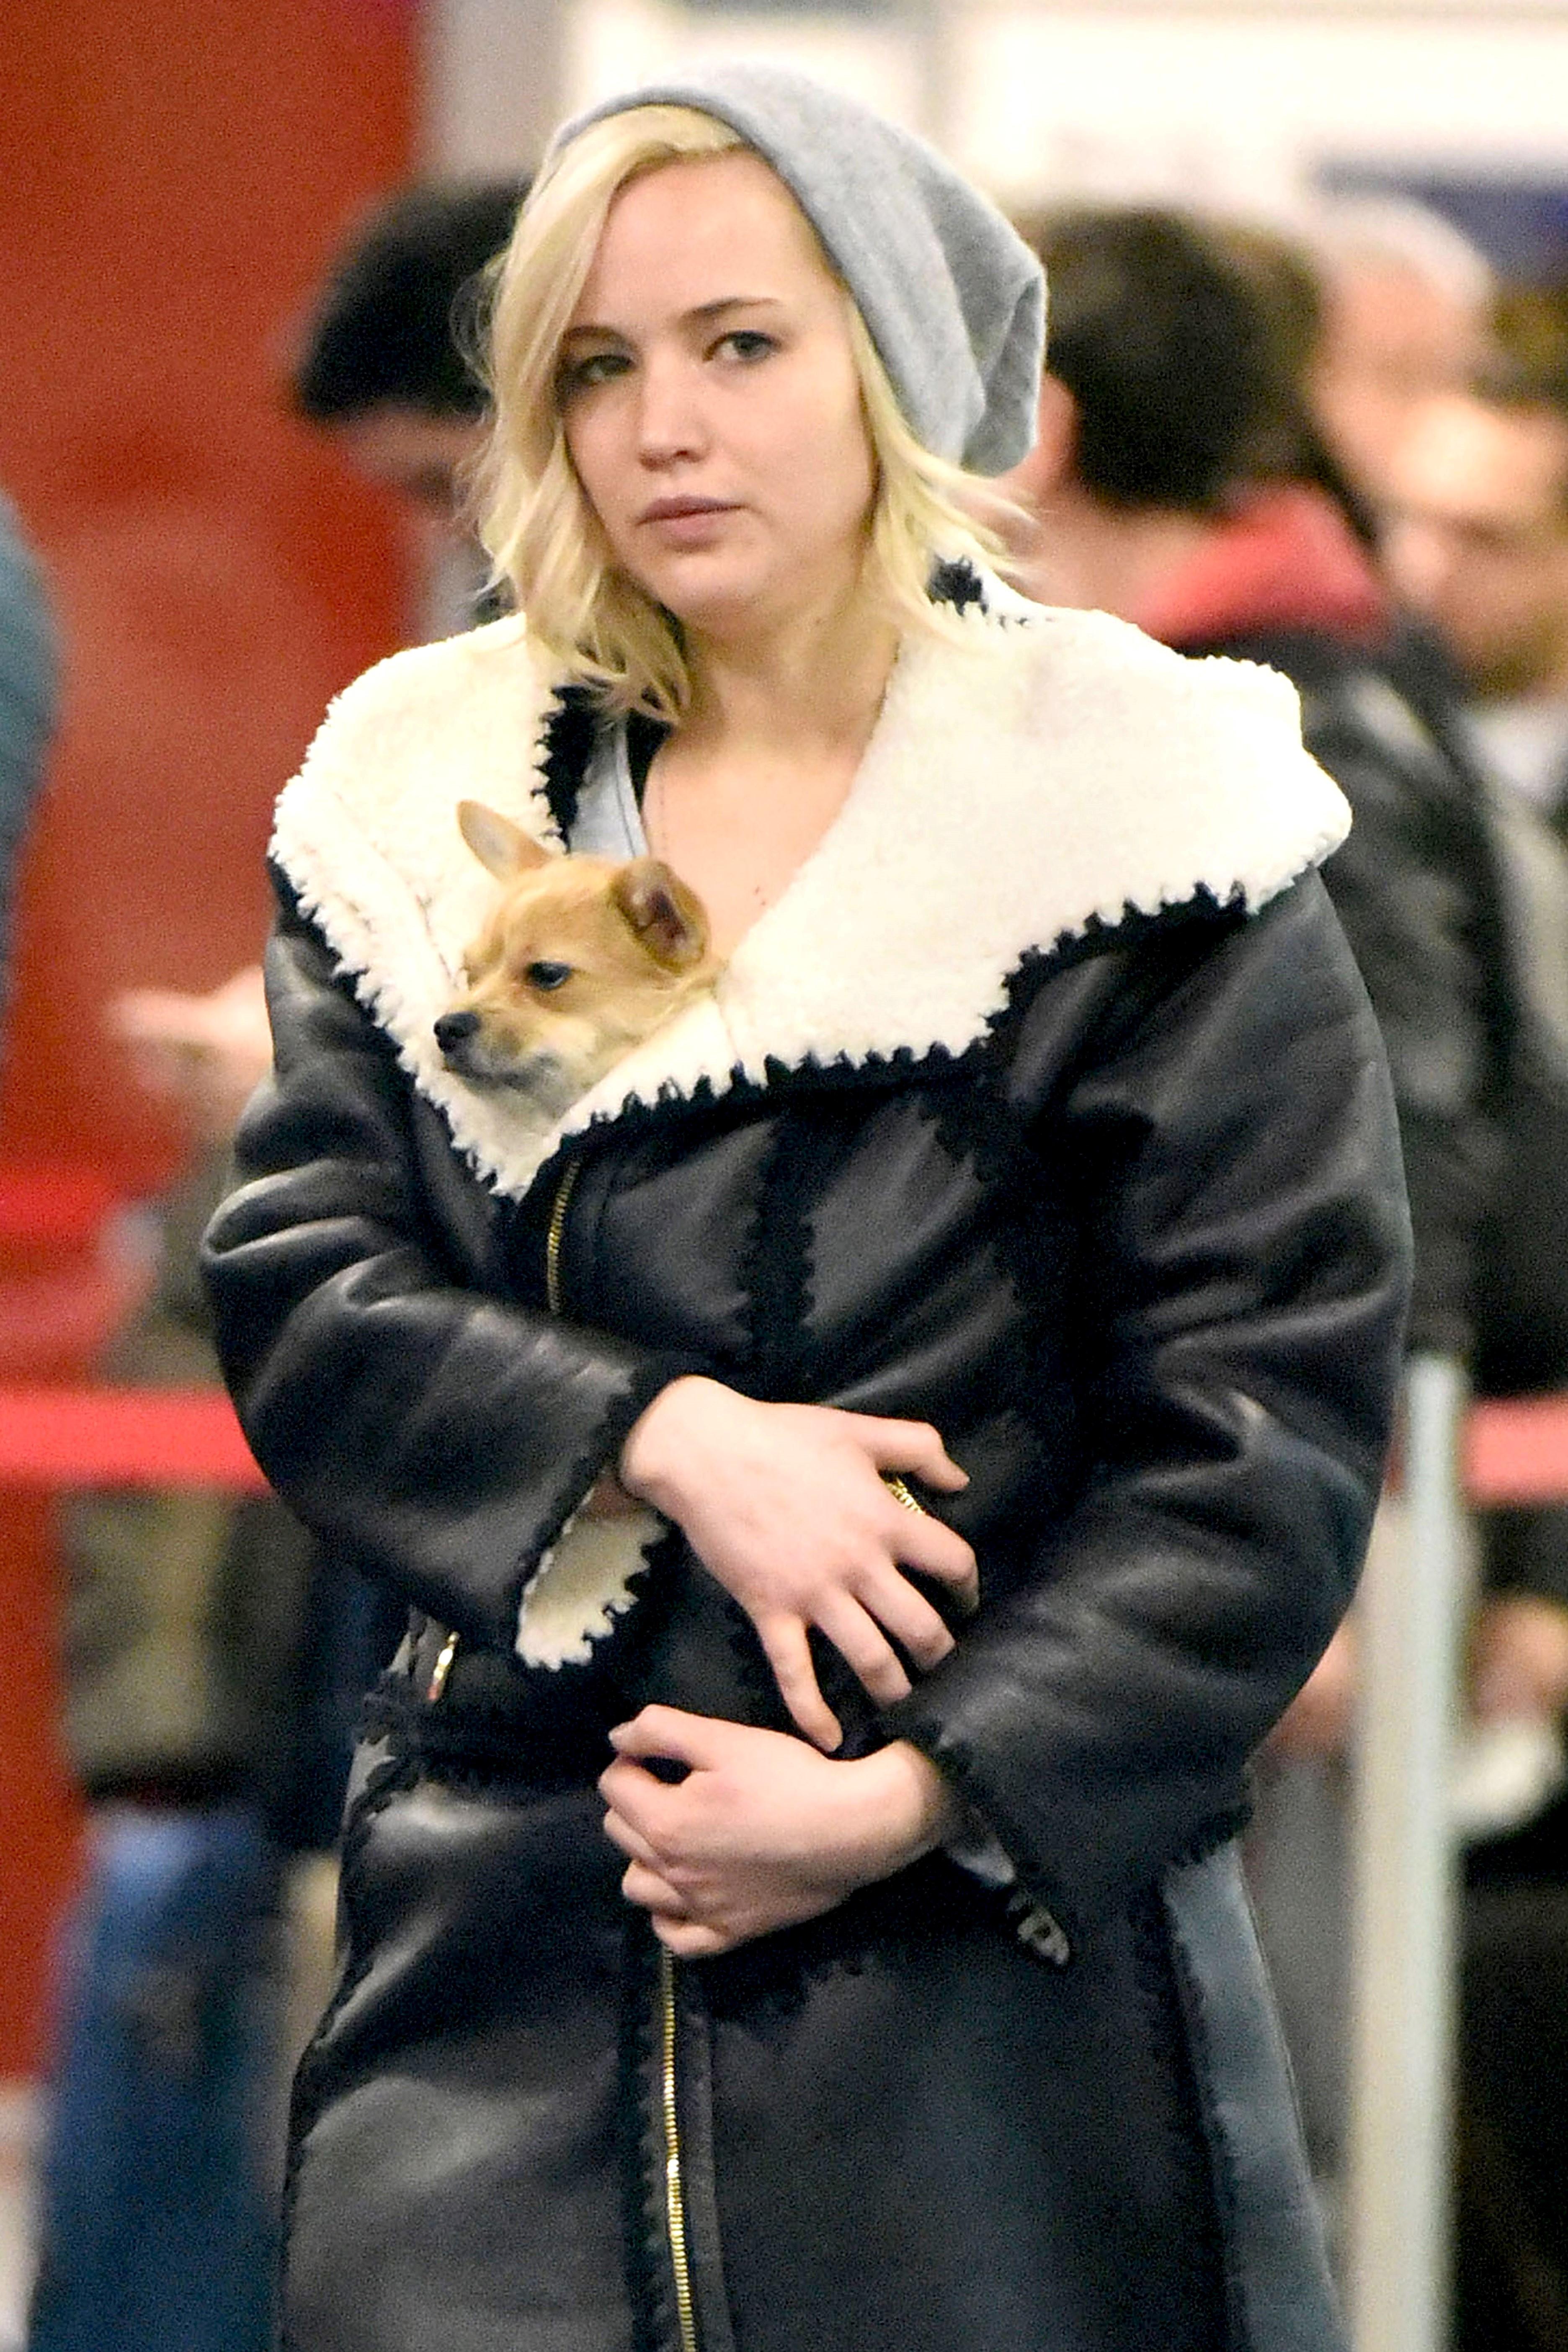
x=540, y=1076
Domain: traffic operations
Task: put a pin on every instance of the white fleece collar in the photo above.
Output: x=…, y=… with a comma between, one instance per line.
x=1057, y=770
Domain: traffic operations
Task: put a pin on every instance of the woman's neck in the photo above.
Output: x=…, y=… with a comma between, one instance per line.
x=740, y=794
x=810, y=686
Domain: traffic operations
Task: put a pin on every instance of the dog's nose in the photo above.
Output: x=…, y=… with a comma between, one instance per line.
x=453, y=1028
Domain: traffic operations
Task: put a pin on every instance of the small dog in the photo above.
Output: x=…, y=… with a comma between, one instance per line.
x=581, y=959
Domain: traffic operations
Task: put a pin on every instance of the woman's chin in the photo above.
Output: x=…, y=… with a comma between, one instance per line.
x=735, y=606
x=716, y=610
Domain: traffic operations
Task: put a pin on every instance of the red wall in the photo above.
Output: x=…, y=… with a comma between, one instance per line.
x=174, y=177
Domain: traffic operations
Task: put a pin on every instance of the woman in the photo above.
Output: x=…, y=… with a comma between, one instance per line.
x=1038, y=1107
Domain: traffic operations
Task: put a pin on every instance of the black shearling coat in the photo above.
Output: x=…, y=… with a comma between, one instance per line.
x=1045, y=1105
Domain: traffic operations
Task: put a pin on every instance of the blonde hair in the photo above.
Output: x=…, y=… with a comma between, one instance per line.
x=535, y=520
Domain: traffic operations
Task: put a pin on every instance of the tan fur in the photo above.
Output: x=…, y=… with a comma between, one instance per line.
x=633, y=939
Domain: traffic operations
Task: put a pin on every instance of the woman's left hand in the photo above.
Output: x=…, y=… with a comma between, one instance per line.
x=763, y=1832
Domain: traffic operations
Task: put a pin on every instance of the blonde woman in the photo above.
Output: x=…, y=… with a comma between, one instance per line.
x=869, y=1475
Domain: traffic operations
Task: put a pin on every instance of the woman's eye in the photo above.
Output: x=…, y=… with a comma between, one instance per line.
x=748, y=343
x=593, y=367
x=547, y=976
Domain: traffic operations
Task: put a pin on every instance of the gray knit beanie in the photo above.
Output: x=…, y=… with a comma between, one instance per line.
x=953, y=300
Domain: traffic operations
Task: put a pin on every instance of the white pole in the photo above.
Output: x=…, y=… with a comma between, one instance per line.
x=1410, y=1618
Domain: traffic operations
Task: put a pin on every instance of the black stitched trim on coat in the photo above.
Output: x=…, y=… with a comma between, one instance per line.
x=957, y=582
x=1199, y=913
x=643, y=1385
x=779, y=1275
x=999, y=1136
x=931, y=1064
x=568, y=746
x=570, y=730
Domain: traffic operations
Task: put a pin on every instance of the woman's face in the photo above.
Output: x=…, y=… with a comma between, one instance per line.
x=711, y=402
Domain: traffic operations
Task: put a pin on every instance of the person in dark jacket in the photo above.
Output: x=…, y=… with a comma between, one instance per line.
x=1480, y=544
x=1017, y=1220
x=1177, y=480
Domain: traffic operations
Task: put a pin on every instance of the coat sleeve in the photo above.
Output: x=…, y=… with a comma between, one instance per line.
x=1245, y=1277
x=440, y=1436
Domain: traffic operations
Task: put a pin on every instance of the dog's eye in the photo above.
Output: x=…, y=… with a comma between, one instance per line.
x=547, y=976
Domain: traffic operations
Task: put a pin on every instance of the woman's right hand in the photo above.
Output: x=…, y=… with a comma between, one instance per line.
x=786, y=1505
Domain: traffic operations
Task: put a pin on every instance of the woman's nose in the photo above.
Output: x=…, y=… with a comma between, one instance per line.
x=669, y=412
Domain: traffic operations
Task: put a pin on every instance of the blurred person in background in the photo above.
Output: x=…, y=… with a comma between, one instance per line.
x=381, y=363
x=1347, y=404
x=1478, y=543
x=1407, y=315
x=27, y=699
x=213, y=1661
x=1177, y=481
x=182, y=1651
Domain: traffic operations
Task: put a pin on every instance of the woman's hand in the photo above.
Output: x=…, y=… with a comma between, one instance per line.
x=784, y=1505
x=763, y=1832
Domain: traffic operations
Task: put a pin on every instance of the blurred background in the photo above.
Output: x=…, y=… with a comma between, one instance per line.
x=176, y=183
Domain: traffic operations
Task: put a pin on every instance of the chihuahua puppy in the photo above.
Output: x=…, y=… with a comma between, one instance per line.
x=579, y=959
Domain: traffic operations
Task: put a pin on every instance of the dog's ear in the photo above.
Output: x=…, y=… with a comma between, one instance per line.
x=666, y=917
x=502, y=847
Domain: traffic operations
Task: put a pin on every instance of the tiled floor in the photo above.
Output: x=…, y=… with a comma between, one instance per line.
x=18, y=2132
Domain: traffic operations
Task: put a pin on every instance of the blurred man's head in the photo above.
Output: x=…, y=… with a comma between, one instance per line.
x=1179, y=478
x=1407, y=302
x=1479, y=536
x=1164, y=373
x=382, y=364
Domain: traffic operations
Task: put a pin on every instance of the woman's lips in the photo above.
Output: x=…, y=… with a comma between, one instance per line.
x=685, y=519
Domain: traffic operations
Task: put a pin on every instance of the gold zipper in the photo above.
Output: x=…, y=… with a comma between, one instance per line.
x=901, y=1494
x=556, y=1235
x=442, y=1668
x=674, y=2189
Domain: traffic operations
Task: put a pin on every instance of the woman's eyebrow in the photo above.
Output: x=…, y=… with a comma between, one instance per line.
x=701, y=314
x=705, y=312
